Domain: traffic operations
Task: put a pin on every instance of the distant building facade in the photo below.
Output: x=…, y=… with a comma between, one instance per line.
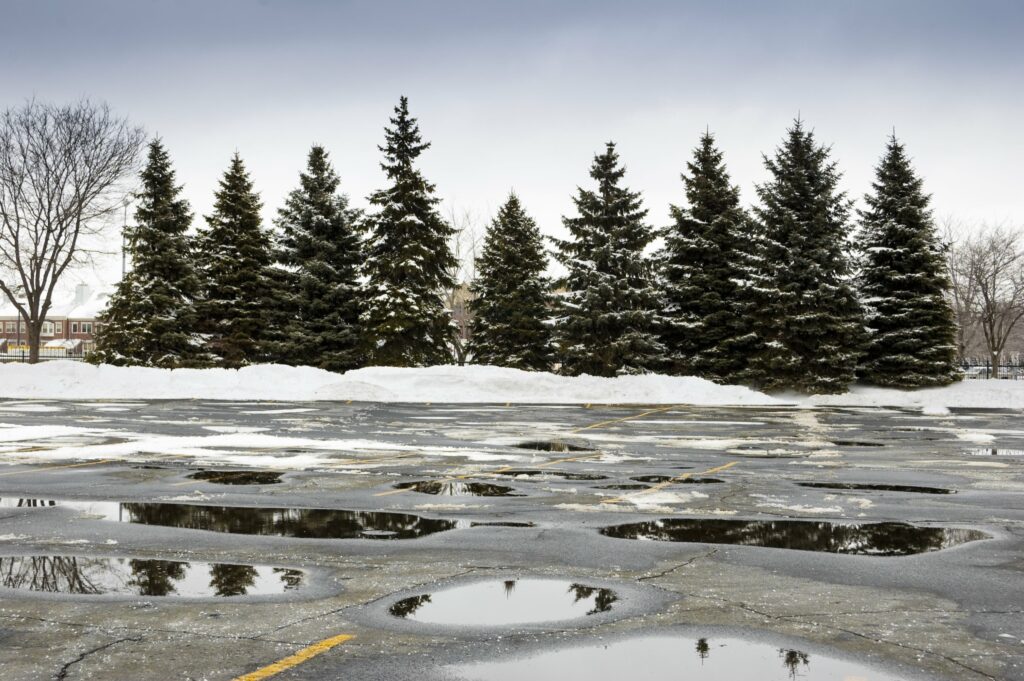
x=70, y=326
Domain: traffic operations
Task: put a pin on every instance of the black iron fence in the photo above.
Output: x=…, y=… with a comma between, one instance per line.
x=1012, y=371
x=20, y=354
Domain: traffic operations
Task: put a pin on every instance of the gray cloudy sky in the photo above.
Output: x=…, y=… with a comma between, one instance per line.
x=522, y=94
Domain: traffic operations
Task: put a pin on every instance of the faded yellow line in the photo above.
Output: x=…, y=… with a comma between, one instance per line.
x=296, y=659
x=54, y=468
x=668, y=483
x=624, y=418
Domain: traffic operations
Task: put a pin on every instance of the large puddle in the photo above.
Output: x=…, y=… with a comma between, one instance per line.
x=238, y=477
x=657, y=658
x=144, y=577
x=455, y=488
x=874, y=539
x=305, y=523
x=527, y=473
x=506, y=603
x=871, y=487
x=552, y=446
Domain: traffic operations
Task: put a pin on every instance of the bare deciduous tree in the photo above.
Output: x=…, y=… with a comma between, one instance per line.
x=465, y=243
x=62, y=177
x=997, y=267
x=963, y=294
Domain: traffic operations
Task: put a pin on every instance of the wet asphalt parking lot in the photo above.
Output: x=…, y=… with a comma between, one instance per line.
x=212, y=540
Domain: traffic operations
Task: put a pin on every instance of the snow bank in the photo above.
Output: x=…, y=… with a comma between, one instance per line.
x=976, y=393
x=472, y=384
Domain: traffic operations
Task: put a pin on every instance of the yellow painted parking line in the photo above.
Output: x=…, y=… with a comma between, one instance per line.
x=668, y=483
x=296, y=659
x=54, y=468
x=624, y=418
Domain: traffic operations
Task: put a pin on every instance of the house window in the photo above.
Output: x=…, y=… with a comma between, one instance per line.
x=74, y=327
x=86, y=327
x=58, y=327
x=12, y=327
x=47, y=328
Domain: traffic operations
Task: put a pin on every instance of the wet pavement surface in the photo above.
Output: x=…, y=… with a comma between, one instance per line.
x=208, y=540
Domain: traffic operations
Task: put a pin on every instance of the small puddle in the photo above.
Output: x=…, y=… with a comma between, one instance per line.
x=503, y=523
x=624, y=486
x=238, y=477
x=877, y=488
x=857, y=443
x=994, y=451
x=304, y=523
x=506, y=602
x=559, y=474
x=552, y=446
x=684, y=481
x=144, y=577
x=874, y=539
x=655, y=658
x=458, y=489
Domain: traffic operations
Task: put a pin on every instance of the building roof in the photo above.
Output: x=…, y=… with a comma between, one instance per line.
x=84, y=303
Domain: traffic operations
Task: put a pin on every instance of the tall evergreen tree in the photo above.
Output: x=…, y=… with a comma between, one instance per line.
x=609, y=312
x=320, y=247
x=150, y=319
x=707, y=270
x=808, y=317
x=409, y=261
x=903, y=282
x=511, y=295
x=238, y=305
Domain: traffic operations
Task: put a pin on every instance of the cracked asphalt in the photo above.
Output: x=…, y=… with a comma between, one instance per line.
x=952, y=613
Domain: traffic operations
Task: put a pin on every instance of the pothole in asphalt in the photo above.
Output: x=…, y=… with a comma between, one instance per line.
x=558, y=474
x=874, y=539
x=458, y=489
x=237, y=477
x=877, y=488
x=653, y=658
x=304, y=523
x=90, y=575
x=503, y=523
x=684, y=481
x=994, y=451
x=506, y=602
x=552, y=446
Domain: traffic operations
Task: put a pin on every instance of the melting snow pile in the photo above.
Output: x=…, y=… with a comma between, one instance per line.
x=471, y=384
x=977, y=393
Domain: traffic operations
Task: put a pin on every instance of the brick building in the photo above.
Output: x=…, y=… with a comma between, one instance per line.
x=69, y=327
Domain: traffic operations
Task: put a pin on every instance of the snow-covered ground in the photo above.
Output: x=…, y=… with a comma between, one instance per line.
x=471, y=384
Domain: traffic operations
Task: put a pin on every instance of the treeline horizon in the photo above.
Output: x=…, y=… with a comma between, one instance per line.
x=797, y=292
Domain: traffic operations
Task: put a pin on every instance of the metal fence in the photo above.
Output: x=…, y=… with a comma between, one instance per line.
x=983, y=370
x=45, y=355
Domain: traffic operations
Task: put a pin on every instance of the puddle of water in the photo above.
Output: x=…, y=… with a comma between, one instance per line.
x=552, y=446
x=144, y=577
x=994, y=451
x=684, y=481
x=503, y=523
x=857, y=443
x=655, y=658
x=458, y=489
x=238, y=477
x=877, y=488
x=874, y=539
x=305, y=523
x=559, y=474
x=506, y=603
x=624, y=486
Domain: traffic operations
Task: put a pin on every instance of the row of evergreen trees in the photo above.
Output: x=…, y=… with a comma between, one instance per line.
x=780, y=297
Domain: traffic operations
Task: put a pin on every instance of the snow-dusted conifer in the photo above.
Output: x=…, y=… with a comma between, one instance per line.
x=707, y=271
x=409, y=261
x=903, y=282
x=150, y=319
x=511, y=294
x=319, y=247
x=609, y=311
x=807, y=316
x=239, y=306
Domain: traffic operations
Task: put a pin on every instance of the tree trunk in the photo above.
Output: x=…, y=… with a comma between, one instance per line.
x=34, y=331
x=996, y=356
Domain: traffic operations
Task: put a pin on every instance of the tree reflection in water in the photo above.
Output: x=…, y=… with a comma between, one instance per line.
x=793, y=659
x=54, y=574
x=231, y=580
x=603, y=598
x=156, y=577
x=703, y=649
x=408, y=606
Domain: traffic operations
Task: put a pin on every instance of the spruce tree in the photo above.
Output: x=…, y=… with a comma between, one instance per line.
x=808, y=317
x=409, y=261
x=150, y=319
x=511, y=295
x=321, y=251
x=609, y=311
x=707, y=272
x=903, y=282
x=239, y=302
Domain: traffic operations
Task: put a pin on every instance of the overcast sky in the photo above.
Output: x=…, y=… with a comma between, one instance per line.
x=520, y=95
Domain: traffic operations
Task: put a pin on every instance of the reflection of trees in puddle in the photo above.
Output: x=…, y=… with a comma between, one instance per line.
x=310, y=523
x=35, y=503
x=793, y=660
x=703, y=649
x=292, y=579
x=510, y=586
x=408, y=606
x=156, y=577
x=603, y=598
x=53, y=574
x=456, y=488
x=231, y=580
x=883, y=539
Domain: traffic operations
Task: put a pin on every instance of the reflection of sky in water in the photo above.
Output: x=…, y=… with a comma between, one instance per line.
x=104, y=510
x=658, y=658
x=508, y=602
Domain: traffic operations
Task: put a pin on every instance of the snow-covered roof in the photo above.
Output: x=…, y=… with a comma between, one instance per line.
x=84, y=303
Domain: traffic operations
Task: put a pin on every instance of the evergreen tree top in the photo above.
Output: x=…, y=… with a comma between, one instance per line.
x=611, y=207
x=402, y=142
x=709, y=190
x=159, y=206
x=236, y=204
x=898, y=191
x=803, y=177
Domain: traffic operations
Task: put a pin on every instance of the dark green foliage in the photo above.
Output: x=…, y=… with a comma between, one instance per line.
x=150, y=319
x=708, y=328
x=320, y=249
x=409, y=262
x=608, y=315
x=510, y=306
x=807, y=316
x=240, y=303
x=903, y=282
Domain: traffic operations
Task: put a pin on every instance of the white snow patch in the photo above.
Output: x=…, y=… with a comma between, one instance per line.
x=933, y=401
